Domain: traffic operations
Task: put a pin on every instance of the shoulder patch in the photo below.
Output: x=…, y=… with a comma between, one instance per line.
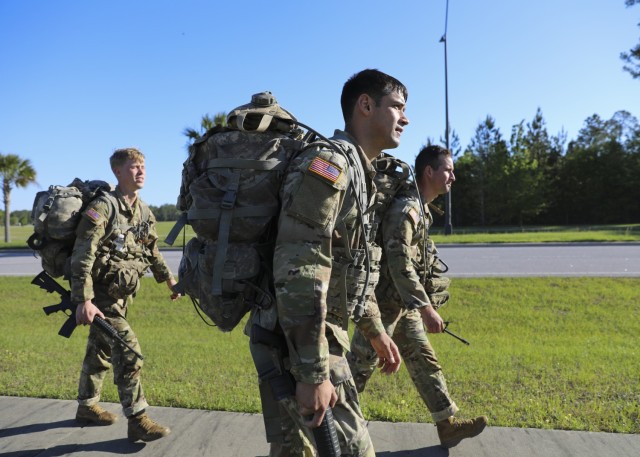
x=94, y=215
x=413, y=214
x=325, y=169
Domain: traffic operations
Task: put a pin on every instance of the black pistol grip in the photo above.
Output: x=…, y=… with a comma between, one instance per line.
x=68, y=327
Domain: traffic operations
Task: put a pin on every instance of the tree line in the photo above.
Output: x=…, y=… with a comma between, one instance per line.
x=166, y=212
x=535, y=178
x=531, y=178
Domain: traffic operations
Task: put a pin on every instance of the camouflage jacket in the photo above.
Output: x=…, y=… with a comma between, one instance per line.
x=93, y=251
x=402, y=234
x=317, y=205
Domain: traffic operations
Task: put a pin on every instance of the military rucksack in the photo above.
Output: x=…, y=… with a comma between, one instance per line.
x=55, y=215
x=230, y=196
x=392, y=176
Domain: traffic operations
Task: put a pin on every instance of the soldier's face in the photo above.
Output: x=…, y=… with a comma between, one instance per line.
x=443, y=178
x=131, y=175
x=436, y=182
x=389, y=120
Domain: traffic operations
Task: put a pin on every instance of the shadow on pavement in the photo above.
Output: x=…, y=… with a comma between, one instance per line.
x=119, y=446
x=431, y=451
x=115, y=446
x=34, y=428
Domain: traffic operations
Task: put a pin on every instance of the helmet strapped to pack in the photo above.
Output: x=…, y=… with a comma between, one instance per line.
x=392, y=175
x=262, y=114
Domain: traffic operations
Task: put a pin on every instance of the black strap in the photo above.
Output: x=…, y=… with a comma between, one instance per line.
x=247, y=164
x=224, y=228
x=344, y=309
x=245, y=211
x=175, y=231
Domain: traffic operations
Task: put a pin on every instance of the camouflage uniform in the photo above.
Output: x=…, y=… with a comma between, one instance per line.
x=319, y=272
x=109, y=276
x=400, y=293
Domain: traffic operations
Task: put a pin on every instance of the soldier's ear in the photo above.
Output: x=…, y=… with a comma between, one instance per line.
x=364, y=104
x=428, y=171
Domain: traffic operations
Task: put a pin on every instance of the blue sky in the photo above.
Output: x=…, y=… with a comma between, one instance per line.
x=82, y=78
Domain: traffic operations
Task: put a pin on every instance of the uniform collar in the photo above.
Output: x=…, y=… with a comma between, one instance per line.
x=123, y=204
x=366, y=163
x=427, y=212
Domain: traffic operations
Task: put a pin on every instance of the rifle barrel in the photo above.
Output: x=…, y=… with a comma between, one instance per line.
x=456, y=336
x=109, y=329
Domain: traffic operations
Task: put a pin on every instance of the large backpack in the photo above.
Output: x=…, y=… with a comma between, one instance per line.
x=392, y=176
x=55, y=215
x=230, y=196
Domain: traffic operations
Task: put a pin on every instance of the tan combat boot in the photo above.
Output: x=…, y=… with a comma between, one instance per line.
x=95, y=415
x=451, y=431
x=144, y=429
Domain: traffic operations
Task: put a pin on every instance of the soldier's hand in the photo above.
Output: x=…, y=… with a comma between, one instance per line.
x=171, y=283
x=314, y=399
x=388, y=353
x=85, y=313
x=432, y=320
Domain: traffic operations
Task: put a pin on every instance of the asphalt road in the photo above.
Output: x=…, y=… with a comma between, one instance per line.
x=576, y=259
x=571, y=259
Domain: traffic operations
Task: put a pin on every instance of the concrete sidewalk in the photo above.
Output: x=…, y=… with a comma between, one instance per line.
x=46, y=428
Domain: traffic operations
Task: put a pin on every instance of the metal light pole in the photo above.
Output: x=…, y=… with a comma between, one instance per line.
x=448, y=228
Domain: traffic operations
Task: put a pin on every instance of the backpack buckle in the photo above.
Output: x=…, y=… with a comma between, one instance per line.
x=229, y=199
x=359, y=256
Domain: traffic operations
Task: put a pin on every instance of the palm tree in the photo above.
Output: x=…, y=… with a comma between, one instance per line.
x=15, y=172
x=207, y=122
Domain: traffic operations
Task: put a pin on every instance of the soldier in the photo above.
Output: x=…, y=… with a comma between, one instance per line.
x=320, y=275
x=406, y=300
x=116, y=243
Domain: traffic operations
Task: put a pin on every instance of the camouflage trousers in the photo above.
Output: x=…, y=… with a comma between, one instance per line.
x=284, y=424
x=407, y=330
x=102, y=353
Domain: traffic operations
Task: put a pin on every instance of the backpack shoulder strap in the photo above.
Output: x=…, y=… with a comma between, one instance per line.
x=113, y=223
x=146, y=211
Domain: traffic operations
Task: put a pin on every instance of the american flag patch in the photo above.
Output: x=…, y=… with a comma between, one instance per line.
x=325, y=169
x=413, y=214
x=93, y=215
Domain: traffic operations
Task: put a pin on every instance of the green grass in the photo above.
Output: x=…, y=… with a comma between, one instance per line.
x=533, y=234
x=19, y=236
x=548, y=234
x=545, y=353
x=558, y=353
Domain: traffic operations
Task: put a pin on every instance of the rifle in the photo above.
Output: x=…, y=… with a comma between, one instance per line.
x=46, y=282
x=446, y=324
x=283, y=385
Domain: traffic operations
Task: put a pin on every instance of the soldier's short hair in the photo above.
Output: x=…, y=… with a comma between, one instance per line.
x=120, y=156
x=372, y=82
x=429, y=156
